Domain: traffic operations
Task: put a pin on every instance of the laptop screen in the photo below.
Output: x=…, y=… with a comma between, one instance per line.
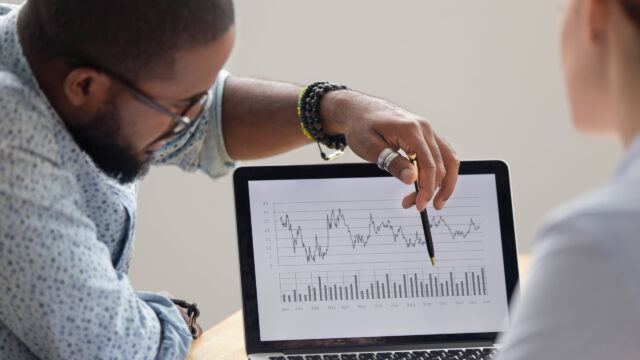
x=340, y=258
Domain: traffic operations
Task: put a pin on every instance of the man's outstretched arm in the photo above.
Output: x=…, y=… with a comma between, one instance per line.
x=259, y=119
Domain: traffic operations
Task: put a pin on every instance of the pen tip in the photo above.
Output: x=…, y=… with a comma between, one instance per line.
x=433, y=261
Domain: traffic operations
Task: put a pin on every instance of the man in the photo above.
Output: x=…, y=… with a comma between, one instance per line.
x=91, y=93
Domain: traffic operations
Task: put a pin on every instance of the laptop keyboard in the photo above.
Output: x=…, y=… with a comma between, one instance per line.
x=457, y=354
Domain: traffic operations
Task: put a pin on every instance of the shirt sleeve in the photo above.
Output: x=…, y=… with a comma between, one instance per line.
x=202, y=147
x=59, y=292
x=579, y=303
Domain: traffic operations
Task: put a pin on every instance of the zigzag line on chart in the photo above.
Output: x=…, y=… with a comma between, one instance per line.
x=334, y=220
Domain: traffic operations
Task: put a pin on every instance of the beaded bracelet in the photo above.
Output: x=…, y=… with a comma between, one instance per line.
x=310, y=121
x=190, y=314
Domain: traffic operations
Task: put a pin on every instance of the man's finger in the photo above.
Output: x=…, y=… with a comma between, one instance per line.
x=426, y=171
x=403, y=169
x=434, y=147
x=399, y=167
x=409, y=200
x=452, y=164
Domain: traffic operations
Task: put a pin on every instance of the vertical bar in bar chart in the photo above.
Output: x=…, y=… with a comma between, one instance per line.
x=466, y=281
x=431, y=285
x=411, y=282
x=388, y=288
x=473, y=280
x=451, y=283
x=484, y=282
x=404, y=282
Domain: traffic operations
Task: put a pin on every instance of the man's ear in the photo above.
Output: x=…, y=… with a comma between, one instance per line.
x=85, y=87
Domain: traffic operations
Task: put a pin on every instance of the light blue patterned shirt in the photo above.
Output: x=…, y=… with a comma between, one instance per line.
x=66, y=231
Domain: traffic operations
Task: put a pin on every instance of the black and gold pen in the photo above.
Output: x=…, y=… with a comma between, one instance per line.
x=425, y=219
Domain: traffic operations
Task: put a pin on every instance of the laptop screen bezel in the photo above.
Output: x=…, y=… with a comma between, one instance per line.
x=241, y=178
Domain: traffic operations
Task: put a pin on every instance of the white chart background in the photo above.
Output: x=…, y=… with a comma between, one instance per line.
x=334, y=230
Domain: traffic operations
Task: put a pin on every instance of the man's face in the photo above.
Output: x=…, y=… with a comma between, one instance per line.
x=123, y=133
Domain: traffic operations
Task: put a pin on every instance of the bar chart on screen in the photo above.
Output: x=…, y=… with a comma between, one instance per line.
x=345, y=248
x=380, y=285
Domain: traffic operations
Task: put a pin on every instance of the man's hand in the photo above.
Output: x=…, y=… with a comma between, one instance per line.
x=370, y=125
x=259, y=120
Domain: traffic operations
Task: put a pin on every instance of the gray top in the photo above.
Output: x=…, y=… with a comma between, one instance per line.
x=582, y=299
x=66, y=231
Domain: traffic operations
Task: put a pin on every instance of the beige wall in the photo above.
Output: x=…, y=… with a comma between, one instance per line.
x=485, y=73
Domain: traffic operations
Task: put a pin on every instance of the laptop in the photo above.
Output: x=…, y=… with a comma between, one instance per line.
x=333, y=267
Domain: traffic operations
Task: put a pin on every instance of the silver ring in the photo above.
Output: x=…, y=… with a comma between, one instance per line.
x=387, y=161
x=383, y=155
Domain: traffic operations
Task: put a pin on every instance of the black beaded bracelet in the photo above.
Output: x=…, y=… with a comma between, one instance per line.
x=190, y=315
x=311, y=122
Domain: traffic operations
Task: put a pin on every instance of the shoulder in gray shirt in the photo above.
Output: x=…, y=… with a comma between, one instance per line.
x=582, y=300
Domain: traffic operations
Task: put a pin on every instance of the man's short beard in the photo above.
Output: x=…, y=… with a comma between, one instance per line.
x=100, y=138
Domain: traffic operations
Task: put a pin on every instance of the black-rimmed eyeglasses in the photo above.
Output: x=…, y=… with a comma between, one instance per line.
x=182, y=121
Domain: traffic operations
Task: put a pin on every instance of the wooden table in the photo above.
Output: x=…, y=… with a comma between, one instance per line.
x=225, y=341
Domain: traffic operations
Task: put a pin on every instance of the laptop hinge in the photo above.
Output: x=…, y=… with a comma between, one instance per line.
x=447, y=345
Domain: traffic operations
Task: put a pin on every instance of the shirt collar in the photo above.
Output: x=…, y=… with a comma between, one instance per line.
x=19, y=66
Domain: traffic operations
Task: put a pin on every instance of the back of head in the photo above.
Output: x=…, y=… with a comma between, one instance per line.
x=135, y=38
